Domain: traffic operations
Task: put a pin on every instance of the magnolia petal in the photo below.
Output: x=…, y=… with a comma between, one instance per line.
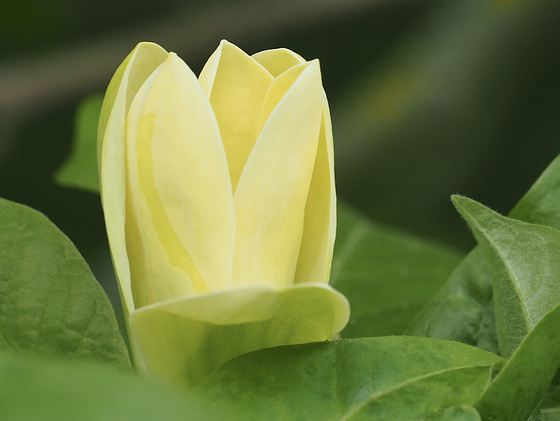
x=153, y=277
x=130, y=75
x=272, y=192
x=319, y=228
x=236, y=85
x=278, y=60
x=182, y=341
x=181, y=189
x=277, y=91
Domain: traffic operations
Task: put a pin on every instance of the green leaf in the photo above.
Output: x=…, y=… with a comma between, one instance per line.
x=526, y=267
x=519, y=387
x=50, y=302
x=384, y=378
x=80, y=168
x=525, y=262
x=51, y=390
x=550, y=403
x=386, y=275
x=551, y=414
x=462, y=310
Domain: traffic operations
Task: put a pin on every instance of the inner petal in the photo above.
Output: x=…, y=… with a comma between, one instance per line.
x=236, y=85
x=278, y=60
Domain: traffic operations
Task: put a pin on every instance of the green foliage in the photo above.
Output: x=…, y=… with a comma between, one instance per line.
x=385, y=378
x=80, y=168
x=463, y=309
x=34, y=389
x=50, y=303
x=386, y=275
x=526, y=267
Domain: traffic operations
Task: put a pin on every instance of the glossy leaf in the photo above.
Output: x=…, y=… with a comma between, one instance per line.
x=386, y=275
x=80, y=168
x=51, y=303
x=385, y=378
x=525, y=263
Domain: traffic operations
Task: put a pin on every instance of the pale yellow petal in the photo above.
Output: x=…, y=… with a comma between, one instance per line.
x=136, y=68
x=277, y=91
x=278, y=60
x=236, y=85
x=153, y=277
x=183, y=189
x=315, y=256
x=182, y=341
x=272, y=193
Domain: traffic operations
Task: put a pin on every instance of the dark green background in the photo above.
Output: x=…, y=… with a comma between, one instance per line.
x=429, y=98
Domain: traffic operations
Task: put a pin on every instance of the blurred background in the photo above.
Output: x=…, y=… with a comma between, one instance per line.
x=428, y=97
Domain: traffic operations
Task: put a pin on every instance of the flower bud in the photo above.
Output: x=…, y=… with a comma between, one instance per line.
x=220, y=206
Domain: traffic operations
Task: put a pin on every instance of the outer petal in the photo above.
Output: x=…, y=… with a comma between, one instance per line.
x=272, y=192
x=136, y=68
x=320, y=212
x=236, y=85
x=279, y=60
x=184, y=340
x=319, y=231
x=181, y=221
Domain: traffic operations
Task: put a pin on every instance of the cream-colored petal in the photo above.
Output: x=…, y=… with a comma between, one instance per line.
x=183, y=189
x=273, y=188
x=319, y=229
x=153, y=277
x=236, y=85
x=278, y=60
x=277, y=91
x=182, y=341
x=130, y=75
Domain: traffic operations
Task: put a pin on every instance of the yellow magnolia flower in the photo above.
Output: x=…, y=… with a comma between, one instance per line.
x=219, y=201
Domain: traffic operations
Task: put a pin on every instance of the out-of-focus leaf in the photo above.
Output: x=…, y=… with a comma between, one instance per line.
x=469, y=93
x=386, y=275
x=463, y=310
x=385, y=378
x=50, y=302
x=525, y=263
x=550, y=403
x=80, y=168
x=49, y=390
x=551, y=414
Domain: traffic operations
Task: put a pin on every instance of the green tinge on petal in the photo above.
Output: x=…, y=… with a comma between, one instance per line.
x=319, y=228
x=130, y=75
x=184, y=340
x=183, y=190
x=278, y=60
x=272, y=192
x=236, y=85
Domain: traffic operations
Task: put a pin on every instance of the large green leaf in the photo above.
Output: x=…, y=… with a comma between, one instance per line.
x=384, y=378
x=50, y=301
x=463, y=310
x=80, y=168
x=386, y=275
x=525, y=263
x=34, y=389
